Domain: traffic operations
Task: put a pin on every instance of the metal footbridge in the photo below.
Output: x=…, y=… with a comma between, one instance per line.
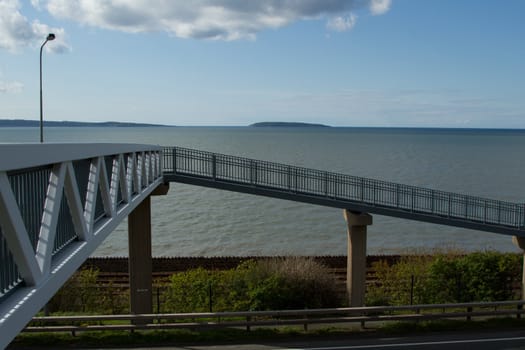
x=58, y=202
x=342, y=191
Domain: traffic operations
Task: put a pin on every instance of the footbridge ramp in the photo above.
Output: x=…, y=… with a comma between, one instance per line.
x=331, y=189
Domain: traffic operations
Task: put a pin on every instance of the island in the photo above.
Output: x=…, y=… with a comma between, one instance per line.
x=288, y=124
x=35, y=123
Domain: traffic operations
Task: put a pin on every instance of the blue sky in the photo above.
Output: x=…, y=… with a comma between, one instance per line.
x=416, y=63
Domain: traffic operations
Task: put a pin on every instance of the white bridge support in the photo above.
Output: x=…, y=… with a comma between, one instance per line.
x=118, y=178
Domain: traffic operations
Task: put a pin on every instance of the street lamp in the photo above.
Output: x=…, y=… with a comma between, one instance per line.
x=50, y=37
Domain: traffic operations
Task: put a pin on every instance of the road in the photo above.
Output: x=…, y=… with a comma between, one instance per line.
x=480, y=340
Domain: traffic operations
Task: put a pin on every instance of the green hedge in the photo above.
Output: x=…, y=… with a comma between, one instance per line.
x=297, y=283
x=288, y=283
x=447, y=278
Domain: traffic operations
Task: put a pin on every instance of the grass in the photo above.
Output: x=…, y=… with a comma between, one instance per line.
x=170, y=337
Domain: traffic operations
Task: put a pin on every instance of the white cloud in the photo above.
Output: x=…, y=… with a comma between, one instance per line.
x=342, y=23
x=379, y=7
x=207, y=19
x=10, y=87
x=17, y=32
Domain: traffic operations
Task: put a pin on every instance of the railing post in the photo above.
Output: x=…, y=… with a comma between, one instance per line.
x=174, y=159
x=413, y=200
x=289, y=178
x=523, y=216
x=214, y=166
x=296, y=178
x=449, y=203
x=253, y=172
x=397, y=195
x=326, y=184
x=466, y=206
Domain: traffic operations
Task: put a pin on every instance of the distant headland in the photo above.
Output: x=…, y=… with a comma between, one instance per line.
x=288, y=124
x=48, y=123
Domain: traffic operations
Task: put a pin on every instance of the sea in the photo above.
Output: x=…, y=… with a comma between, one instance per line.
x=196, y=221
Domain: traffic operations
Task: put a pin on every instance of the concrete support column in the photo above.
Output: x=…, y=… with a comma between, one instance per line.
x=356, y=258
x=520, y=243
x=140, y=260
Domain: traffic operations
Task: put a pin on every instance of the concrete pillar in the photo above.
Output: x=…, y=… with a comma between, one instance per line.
x=520, y=243
x=356, y=258
x=140, y=260
x=140, y=263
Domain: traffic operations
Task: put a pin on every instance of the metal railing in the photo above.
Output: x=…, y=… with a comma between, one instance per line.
x=343, y=188
x=58, y=202
x=248, y=319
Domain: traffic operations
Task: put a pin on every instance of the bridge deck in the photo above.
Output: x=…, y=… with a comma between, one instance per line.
x=342, y=191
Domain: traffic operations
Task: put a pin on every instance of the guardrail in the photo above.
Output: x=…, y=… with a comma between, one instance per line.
x=372, y=194
x=248, y=319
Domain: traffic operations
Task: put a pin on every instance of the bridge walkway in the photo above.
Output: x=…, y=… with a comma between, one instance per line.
x=330, y=189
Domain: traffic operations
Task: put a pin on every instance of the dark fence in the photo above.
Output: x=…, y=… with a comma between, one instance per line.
x=369, y=192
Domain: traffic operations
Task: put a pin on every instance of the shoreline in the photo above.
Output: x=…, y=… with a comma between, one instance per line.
x=177, y=264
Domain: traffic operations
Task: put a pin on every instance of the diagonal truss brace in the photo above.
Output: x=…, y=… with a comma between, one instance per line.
x=43, y=271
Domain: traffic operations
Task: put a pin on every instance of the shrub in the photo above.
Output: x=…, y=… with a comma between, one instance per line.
x=480, y=276
x=297, y=282
x=403, y=283
x=267, y=285
x=447, y=278
x=82, y=294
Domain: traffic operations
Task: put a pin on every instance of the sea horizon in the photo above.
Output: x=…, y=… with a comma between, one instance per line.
x=195, y=221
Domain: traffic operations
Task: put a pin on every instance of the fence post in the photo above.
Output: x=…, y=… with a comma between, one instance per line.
x=289, y=178
x=253, y=172
x=214, y=166
x=523, y=216
x=174, y=159
x=210, y=296
x=466, y=206
x=326, y=184
x=518, y=314
x=449, y=203
x=411, y=289
x=469, y=310
x=413, y=201
x=158, y=300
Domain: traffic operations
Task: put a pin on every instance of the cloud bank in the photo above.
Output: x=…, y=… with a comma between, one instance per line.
x=17, y=32
x=209, y=19
x=198, y=19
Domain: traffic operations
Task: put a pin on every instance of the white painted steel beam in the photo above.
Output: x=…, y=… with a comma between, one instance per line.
x=44, y=272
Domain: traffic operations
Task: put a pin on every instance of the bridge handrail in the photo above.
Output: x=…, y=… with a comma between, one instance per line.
x=312, y=182
x=35, y=176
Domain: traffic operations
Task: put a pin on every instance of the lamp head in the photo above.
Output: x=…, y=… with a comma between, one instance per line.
x=50, y=36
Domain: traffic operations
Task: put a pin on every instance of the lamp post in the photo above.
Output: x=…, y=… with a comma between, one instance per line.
x=50, y=37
